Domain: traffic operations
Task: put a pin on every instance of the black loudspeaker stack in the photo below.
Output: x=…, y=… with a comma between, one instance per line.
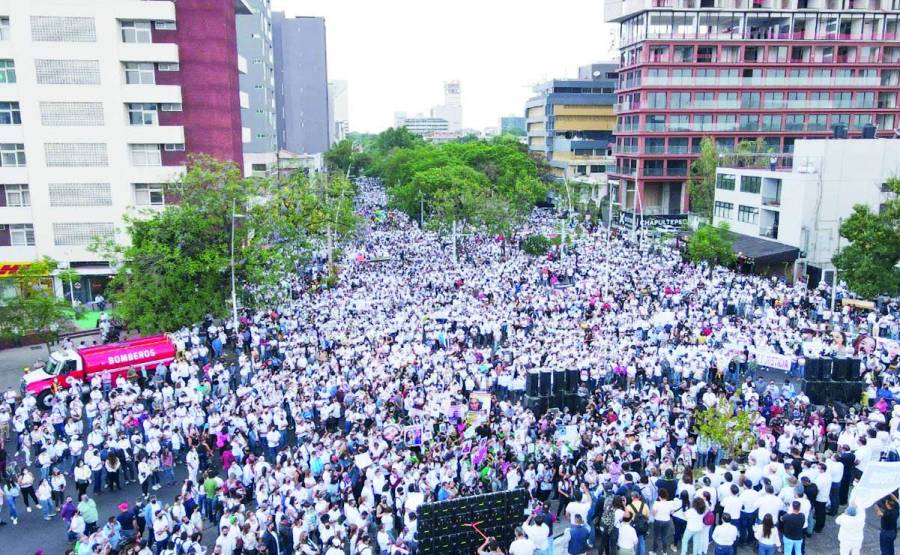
x=573, y=380
x=532, y=379
x=442, y=526
x=545, y=380
x=559, y=381
x=829, y=380
x=549, y=389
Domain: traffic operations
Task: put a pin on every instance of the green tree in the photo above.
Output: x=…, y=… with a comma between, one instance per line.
x=35, y=308
x=536, y=245
x=702, y=180
x=456, y=195
x=344, y=158
x=869, y=263
x=177, y=265
x=394, y=138
x=726, y=427
x=711, y=244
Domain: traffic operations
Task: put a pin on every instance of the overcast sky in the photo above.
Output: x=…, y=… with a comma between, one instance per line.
x=396, y=54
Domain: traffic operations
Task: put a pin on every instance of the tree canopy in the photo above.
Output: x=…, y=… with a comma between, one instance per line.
x=35, y=308
x=491, y=185
x=176, y=268
x=869, y=263
x=711, y=244
x=702, y=180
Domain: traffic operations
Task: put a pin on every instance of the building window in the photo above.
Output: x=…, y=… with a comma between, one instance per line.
x=65, y=195
x=598, y=169
x=748, y=214
x=4, y=28
x=136, y=31
x=165, y=26
x=67, y=72
x=9, y=113
x=725, y=181
x=76, y=155
x=259, y=167
x=17, y=195
x=142, y=114
x=170, y=107
x=146, y=155
x=750, y=184
x=724, y=209
x=139, y=73
x=7, y=71
x=174, y=147
x=149, y=194
x=81, y=234
x=21, y=235
x=162, y=66
x=62, y=29
x=12, y=155
x=66, y=114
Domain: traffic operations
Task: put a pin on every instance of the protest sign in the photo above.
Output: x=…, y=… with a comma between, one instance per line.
x=878, y=480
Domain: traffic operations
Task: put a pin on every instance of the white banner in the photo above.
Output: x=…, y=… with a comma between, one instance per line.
x=774, y=360
x=879, y=479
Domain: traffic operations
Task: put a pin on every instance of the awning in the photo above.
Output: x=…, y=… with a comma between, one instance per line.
x=762, y=251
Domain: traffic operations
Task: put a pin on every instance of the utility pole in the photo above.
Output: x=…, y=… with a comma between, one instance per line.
x=454, y=241
x=234, y=317
x=834, y=277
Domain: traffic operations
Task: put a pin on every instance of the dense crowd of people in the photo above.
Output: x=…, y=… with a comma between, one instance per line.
x=321, y=425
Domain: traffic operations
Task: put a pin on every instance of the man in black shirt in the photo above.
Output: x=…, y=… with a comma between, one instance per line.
x=887, y=510
x=792, y=525
x=668, y=483
x=127, y=520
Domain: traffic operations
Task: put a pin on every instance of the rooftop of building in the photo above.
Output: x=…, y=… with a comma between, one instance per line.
x=617, y=10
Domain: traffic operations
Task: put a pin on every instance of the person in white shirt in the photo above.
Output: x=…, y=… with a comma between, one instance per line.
x=628, y=539
x=850, y=533
x=836, y=470
x=731, y=504
x=662, y=521
x=769, y=504
x=521, y=545
x=539, y=534
x=724, y=536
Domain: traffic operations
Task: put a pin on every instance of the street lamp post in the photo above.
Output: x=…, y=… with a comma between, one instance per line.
x=234, y=316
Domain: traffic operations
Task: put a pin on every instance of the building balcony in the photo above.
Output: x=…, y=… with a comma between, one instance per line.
x=148, y=52
x=156, y=94
x=652, y=172
x=144, y=11
x=19, y=253
x=154, y=134
x=242, y=65
x=154, y=174
x=712, y=105
x=772, y=202
x=668, y=81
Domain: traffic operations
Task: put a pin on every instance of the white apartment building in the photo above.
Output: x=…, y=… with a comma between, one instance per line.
x=89, y=132
x=420, y=125
x=802, y=206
